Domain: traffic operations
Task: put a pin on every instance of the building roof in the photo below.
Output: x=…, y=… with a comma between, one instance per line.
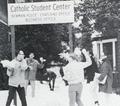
x=103, y=38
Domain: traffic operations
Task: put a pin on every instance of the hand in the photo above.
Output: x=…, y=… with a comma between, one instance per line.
x=97, y=81
x=12, y=69
x=84, y=51
x=30, y=67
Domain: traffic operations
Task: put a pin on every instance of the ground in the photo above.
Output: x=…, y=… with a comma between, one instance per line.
x=59, y=97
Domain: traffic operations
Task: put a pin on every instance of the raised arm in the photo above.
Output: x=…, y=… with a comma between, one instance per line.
x=40, y=65
x=88, y=59
x=24, y=65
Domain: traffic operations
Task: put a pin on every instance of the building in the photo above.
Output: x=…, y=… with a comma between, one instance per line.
x=111, y=46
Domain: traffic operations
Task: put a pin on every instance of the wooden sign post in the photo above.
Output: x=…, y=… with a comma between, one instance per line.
x=12, y=28
x=70, y=37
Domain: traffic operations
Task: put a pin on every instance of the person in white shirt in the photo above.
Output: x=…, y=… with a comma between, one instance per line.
x=74, y=74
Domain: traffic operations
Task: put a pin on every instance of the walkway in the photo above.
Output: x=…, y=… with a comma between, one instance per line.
x=59, y=97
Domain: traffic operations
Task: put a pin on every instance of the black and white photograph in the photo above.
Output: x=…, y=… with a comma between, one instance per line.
x=59, y=53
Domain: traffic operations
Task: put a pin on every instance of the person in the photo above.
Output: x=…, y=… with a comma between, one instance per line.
x=40, y=72
x=31, y=73
x=74, y=74
x=90, y=73
x=62, y=75
x=105, y=70
x=16, y=74
x=3, y=78
x=91, y=70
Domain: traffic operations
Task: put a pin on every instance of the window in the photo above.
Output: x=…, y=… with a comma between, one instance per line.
x=108, y=47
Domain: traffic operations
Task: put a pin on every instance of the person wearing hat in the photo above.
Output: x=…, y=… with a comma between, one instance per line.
x=74, y=74
x=105, y=73
x=17, y=78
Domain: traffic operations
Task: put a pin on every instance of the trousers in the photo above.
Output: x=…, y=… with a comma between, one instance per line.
x=21, y=93
x=75, y=91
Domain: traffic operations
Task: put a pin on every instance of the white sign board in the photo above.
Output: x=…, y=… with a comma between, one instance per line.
x=40, y=13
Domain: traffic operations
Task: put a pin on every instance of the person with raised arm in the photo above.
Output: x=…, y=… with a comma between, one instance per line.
x=74, y=74
x=33, y=65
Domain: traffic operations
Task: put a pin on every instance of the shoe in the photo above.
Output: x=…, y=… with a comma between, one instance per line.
x=97, y=103
x=52, y=89
x=41, y=82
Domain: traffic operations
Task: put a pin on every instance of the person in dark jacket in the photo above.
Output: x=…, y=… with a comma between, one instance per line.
x=3, y=78
x=106, y=69
x=105, y=89
x=91, y=70
x=33, y=65
x=62, y=75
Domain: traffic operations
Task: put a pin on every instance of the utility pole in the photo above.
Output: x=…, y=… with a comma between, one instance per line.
x=70, y=37
x=12, y=28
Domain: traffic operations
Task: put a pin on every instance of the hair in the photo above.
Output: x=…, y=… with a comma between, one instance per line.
x=31, y=53
x=74, y=57
x=83, y=59
x=91, y=53
x=18, y=51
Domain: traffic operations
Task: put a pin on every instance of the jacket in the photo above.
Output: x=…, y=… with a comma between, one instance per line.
x=18, y=76
x=106, y=69
x=74, y=71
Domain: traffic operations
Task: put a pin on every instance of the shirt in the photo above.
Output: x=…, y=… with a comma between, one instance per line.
x=74, y=71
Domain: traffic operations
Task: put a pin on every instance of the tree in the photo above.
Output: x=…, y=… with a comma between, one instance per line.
x=43, y=40
x=83, y=16
x=105, y=14
x=5, y=46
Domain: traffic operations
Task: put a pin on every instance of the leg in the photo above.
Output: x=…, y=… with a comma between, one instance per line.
x=26, y=85
x=53, y=85
x=66, y=82
x=50, y=84
x=72, y=96
x=21, y=92
x=11, y=94
x=95, y=91
x=41, y=76
x=33, y=87
x=78, y=95
x=53, y=80
x=49, y=80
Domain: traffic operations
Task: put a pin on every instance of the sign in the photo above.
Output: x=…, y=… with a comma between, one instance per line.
x=40, y=13
x=3, y=11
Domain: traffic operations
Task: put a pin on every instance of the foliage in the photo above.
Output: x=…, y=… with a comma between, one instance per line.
x=83, y=10
x=43, y=40
x=106, y=16
x=4, y=53
x=5, y=46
